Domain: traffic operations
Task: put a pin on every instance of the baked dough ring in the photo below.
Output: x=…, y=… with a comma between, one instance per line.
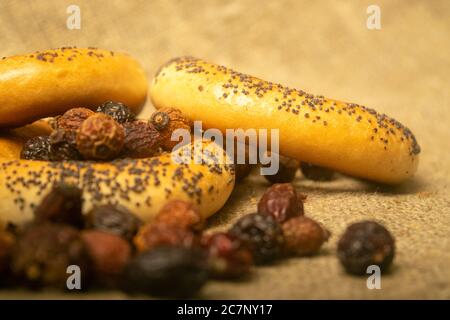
x=346, y=137
x=143, y=186
x=48, y=83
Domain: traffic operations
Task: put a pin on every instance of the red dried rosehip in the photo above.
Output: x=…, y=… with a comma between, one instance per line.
x=286, y=171
x=227, y=257
x=141, y=139
x=303, y=236
x=281, y=202
x=73, y=118
x=179, y=213
x=166, y=121
x=100, y=137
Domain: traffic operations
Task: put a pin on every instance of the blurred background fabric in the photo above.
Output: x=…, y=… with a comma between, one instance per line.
x=322, y=47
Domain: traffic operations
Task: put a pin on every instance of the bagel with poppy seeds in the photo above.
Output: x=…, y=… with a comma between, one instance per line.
x=48, y=83
x=142, y=186
x=346, y=137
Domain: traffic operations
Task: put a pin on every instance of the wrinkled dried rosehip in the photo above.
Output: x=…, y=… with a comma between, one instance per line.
x=113, y=219
x=63, y=146
x=262, y=235
x=63, y=204
x=72, y=119
x=182, y=214
x=141, y=139
x=364, y=244
x=168, y=272
x=155, y=235
x=100, y=137
x=281, y=202
x=44, y=251
x=116, y=110
x=303, y=236
x=6, y=245
x=37, y=148
x=176, y=121
x=317, y=173
x=109, y=254
x=286, y=171
x=226, y=255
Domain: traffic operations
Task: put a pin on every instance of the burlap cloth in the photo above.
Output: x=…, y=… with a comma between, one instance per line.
x=320, y=46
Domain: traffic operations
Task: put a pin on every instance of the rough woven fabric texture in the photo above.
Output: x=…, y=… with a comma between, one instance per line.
x=322, y=47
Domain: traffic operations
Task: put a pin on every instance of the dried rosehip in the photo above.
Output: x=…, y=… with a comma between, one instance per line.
x=182, y=214
x=72, y=119
x=364, y=244
x=226, y=255
x=313, y=172
x=6, y=245
x=37, y=148
x=141, y=139
x=168, y=272
x=155, y=235
x=116, y=110
x=166, y=121
x=286, y=171
x=62, y=205
x=44, y=251
x=303, y=236
x=262, y=235
x=63, y=145
x=281, y=202
x=109, y=255
x=100, y=137
x=113, y=219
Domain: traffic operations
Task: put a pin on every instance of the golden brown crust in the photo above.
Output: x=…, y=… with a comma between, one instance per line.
x=143, y=186
x=48, y=83
x=346, y=137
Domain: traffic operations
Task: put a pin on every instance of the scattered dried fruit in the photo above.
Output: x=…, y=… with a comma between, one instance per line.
x=179, y=213
x=109, y=254
x=363, y=244
x=63, y=145
x=113, y=219
x=118, y=111
x=167, y=271
x=141, y=139
x=303, y=236
x=155, y=235
x=281, y=201
x=226, y=255
x=42, y=254
x=100, y=137
x=63, y=204
x=72, y=119
x=286, y=171
x=262, y=235
x=317, y=173
x=166, y=121
x=37, y=148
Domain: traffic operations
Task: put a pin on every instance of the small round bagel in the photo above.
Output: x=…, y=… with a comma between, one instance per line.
x=346, y=137
x=48, y=83
x=143, y=186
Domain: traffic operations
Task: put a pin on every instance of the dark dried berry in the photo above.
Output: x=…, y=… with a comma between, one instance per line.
x=317, y=173
x=168, y=272
x=155, y=235
x=62, y=205
x=72, y=119
x=176, y=121
x=281, y=202
x=109, y=255
x=118, y=111
x=364, y=244
x=182, y=214
x=37, y=148
x=100, y=137
x=303, y=236
x=42, y=254
x=113, y=219
x=141, y=139
x=226, y=256
x=63, y=146
x=262, y=235
x=286, y=171
x=6, y=245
